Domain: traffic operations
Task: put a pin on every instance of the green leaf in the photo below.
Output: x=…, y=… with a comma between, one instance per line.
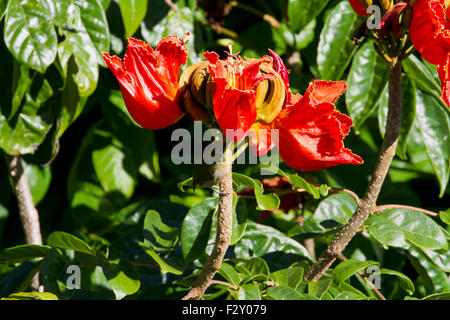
x=19, y=278
x=445, y=216
x=438, y=296
x=53, y=269
x=21, y=86
x=249, y=292
x=349, y=295
x=157, y=234
x=348, y=268
x=385, y=231
x=122, y=278
x=434, y=125
x=290, y=277
x=286, y=293
x=367, y=79
x=320, y=287
x=169, y=264
x=86, y=56
x=336, y=49
x=335, y=210
x=23, y=252
x=239, y=219
x=421, y=76
x=265, y=201
x=3, y=4
x=196, y=228
x=405, y=282
x=408, y=114
x=63, y=240
x=31, y=296
x=302, y=12
x=39, y=179
x=229, y=273
x=115, y=169
x=418, y=228
x=29, y=33
x=133, y=12
x=255, y=269
x=28, y=128
x=259, y=240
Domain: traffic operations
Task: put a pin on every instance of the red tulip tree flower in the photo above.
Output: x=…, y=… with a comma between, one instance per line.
x=430, y=34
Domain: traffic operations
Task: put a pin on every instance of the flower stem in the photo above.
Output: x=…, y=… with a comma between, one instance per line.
x=368, y=203
x=223, y=235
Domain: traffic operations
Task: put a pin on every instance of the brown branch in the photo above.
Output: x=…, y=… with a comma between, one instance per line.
x=171, y=5
x=223, y=283
x=27, y=211
x=266, y=17
x=223, y=236
x=368, y=203
x=383, y=207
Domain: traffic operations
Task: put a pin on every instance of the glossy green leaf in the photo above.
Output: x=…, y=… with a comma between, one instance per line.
x=335, y=210
x=31, y=296
x=408, y=114
x=157, y=234
x=249, y=292
x=349, y=295
x=301, y=12
x=405, y=282
x=445, y=216
x=320, y=287
x=265, y=201
x=418, y=228
x=21, y=86
x=29, y=33
x=196, y=228
x=367, y=79
x=259, y=240
x=434, y=124
x=385, y=231
x=286, y=293
x=255, y=269
x=170, y=264
x=3, y=5
x=438, y=296
x=23, y=252
x=80, y=45
x=63, y=240
x=336, y=48
x=133, y=12
x=27, y=129
x=239, y=219
x=348, y=268
x=123, y=279
x=290, y=277
x=39, y=179
x=115, y=170
x=421, y=76
x=229, y=273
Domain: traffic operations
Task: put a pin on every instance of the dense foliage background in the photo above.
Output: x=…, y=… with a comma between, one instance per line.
x=107, y=192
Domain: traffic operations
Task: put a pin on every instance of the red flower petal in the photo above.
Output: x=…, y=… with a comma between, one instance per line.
x=311, y=132
x=359, y=7
x=149, y=80
x=430, y=31
x=444, y=74
x=325, y=91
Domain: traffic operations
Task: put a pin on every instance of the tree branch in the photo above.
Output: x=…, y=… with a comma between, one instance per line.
x=28, y=214
x=383, y=207
x=223, y=236
x=368, y=203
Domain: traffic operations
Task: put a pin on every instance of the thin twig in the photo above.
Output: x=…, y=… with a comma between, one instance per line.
x=223, y=283
x=368, y=203
x=28, y=214
x=383, y=207
x=171, y=5
x=223, y=235
x=266, y=17
x=369, y=283
x=350, y=192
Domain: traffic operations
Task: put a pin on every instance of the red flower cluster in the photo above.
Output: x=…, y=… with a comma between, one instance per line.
x=429, y=30
x=430, y=35
x=310, y=129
